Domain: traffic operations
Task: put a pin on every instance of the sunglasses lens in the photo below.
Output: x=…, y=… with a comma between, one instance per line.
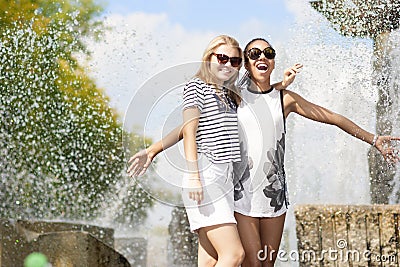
x=254, y=53
x=223, y=59
x=235, y=61
x=269, y=53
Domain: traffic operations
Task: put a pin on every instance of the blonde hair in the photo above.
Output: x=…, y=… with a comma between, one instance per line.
x=205, y=73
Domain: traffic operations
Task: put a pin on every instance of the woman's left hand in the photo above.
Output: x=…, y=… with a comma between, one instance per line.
x=385, y=146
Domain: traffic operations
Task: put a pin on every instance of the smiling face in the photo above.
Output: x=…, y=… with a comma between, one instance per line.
x=223, y=72
x=260, y=69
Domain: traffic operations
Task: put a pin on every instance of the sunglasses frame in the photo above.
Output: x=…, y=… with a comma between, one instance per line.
x=227, y=59
x=268, y=52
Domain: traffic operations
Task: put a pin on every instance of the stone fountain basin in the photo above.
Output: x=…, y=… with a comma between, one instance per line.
x=64, y=244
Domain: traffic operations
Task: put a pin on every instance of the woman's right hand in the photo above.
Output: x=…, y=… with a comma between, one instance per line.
x=139, y=163
x=289, y=74
x=195, y=188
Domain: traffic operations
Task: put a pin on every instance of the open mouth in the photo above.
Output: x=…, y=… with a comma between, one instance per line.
x=262, y=67
x=225, y=70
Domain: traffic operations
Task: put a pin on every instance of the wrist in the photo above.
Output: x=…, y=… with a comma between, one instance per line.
x=151, y=152
x=283, y=85
x=374, y=140
x=280, y=86
x=194, y=176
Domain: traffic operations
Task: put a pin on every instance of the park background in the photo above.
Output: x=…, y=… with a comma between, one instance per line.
x=143, y=39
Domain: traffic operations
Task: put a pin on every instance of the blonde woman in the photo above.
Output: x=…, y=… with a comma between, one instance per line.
x=211, y=145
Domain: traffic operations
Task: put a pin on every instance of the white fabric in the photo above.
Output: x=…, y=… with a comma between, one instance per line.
x=217, y=206
x=260, y=183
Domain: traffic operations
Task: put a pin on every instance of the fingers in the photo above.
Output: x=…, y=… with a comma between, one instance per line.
x=143, y=171
x=388, y=149
x=293, y=70
x=298, y=66
x=387, y=138
x=196, y=195
x=133, y=158
x=391, y=155
x=144, y=168
x=138, y=163
x=136, y=169
x=133, y=161
x=392, y=158
x=142, y=153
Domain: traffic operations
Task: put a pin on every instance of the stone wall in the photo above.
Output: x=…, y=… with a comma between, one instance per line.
x=134, y=250
x=348, y=235
x=183, y=244
x=64, y=244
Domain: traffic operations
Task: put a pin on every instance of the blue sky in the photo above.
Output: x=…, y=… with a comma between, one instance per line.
x=200, y=15
x=217, y=16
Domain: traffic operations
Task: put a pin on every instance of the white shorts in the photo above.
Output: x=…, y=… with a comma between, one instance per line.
x=218, y=204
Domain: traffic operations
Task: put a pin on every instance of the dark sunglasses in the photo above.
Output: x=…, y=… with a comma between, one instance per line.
x=255, y=53
x=223, y=59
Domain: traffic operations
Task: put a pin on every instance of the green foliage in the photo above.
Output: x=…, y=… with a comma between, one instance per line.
x=61, y=152
x=362, y=18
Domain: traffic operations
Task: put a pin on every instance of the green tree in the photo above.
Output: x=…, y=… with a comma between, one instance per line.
x=61, y=152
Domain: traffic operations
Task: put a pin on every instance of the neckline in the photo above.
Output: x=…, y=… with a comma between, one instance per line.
x=260, y=92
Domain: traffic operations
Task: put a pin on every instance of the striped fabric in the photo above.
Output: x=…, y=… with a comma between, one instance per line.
x=217, y=134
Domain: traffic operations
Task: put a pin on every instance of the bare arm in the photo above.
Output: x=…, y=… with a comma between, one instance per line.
x=190, y=124
x=142, y=159
x=297, y=104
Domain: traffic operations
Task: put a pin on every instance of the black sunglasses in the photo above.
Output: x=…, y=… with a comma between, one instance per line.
x=255, y=53
x=223, y=59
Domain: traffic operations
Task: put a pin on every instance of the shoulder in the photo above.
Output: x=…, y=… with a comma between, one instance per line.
x=196, y=82
x=290, y=95
x=289, y=98
x=194, y=86
x=293, y=101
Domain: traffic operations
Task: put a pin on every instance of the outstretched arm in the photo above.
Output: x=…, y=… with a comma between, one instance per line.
x=288, y=77
x=142, y=159
x=295, y=103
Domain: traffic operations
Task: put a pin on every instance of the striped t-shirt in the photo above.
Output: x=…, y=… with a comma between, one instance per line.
x=217, y=134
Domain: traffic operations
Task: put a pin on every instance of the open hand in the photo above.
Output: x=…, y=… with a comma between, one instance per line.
x=385, y=146
x=290, y=73
x=139, y=163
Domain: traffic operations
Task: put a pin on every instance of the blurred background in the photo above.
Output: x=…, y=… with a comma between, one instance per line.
x=86, y=84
